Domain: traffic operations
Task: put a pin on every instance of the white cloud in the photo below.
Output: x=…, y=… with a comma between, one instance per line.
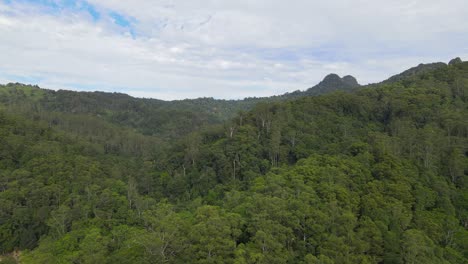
x=226, y=49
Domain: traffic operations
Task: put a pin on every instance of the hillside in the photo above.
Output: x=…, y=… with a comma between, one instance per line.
x=168, y=119
x=370, y=175
x=420, y=69
x=165, y=119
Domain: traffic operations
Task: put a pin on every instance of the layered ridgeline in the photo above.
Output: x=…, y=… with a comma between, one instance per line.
x=166, y=119
x=374, y=175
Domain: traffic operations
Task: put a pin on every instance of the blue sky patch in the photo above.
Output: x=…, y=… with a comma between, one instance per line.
x=56, y=7
x=124, y=22
x=120, y=19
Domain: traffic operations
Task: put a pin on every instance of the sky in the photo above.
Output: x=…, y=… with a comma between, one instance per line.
x=226, y=49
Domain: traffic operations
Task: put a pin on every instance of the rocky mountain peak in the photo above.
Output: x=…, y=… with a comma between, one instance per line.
x=350, y=80
x=333, y=82
x=457, y=60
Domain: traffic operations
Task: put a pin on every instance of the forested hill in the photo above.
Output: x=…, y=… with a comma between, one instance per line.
x=421, y=69
x=374, y=175
x=166, y=119
x=156, y=117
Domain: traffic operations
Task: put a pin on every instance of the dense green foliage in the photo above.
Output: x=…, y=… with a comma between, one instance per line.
x=374, y=176
x=147, y=116
x=163, y=119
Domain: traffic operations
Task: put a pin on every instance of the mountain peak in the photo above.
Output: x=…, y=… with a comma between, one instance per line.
x=334, y=79
x=457, y=60
x=350, y=80
x=331, y=79
x=333, y=82
x=332, y=76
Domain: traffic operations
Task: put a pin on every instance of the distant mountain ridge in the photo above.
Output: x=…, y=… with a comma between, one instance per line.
x=333, y=82
x=421, y=68
x=207, y=108
x=153, y=116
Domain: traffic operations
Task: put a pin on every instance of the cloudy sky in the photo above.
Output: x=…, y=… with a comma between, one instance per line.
x=175, y=49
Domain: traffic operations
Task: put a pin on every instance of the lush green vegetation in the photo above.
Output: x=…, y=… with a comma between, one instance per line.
x=378, y=175
x=163, y=119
